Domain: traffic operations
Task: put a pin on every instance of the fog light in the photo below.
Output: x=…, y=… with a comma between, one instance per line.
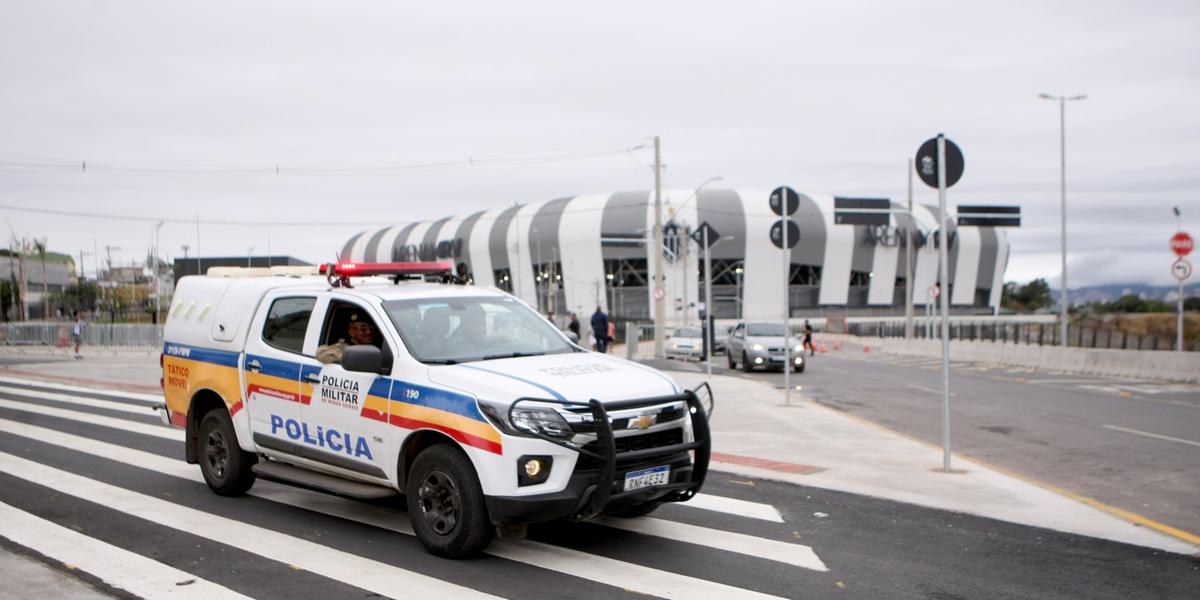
x=758, y=360
x=533, y=467
x=532, y=470
x=798, y=360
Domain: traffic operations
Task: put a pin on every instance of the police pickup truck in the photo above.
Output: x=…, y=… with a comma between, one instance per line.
x=371, y=380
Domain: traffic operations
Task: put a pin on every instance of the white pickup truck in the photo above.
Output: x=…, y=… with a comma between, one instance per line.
x=370, y=381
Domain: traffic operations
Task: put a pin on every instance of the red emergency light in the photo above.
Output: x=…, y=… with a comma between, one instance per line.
x=342, y=272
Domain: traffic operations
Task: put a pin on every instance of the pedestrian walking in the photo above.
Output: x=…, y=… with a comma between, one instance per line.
x=77, y=332
x=573, y=325
x=600, y=330
x=612, y=333
x=808, y=341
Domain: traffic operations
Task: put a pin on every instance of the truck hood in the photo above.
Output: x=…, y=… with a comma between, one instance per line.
x=578, y=377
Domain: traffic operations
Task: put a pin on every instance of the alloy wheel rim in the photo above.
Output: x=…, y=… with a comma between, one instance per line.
x=216, y=454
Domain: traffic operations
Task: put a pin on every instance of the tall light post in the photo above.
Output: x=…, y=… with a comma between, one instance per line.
x=1062, y=148
x=684, y=241
x=156, y=267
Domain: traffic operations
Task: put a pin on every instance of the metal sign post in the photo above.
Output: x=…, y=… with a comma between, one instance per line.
x=1181, y=245
x=940, y=164
x=784, y=201
x=706, y=236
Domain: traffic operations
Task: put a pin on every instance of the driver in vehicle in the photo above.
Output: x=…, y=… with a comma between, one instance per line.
x=359, y=329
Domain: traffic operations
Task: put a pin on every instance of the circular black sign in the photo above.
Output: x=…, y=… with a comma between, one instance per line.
x=793, y=233
x=777, y=196
x=926, y=164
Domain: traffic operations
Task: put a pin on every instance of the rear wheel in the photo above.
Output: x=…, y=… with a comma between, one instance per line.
x=445, y=503
x=226, y=467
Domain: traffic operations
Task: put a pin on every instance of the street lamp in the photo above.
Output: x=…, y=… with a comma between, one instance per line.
x=1062, y=146
x=675, y=211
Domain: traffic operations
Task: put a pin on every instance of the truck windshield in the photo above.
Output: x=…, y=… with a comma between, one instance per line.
x=765, y=329
x=455, y=330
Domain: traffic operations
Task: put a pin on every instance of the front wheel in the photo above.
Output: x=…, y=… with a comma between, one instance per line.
x=225, y=466
x=729, y=359
x=746, y=366
x=445, y=503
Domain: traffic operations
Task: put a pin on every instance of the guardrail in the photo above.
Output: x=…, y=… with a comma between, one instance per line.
x=1034, y=334
x=94, y=334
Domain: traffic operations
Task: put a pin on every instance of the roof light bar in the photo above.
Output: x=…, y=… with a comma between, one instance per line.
x=339, y=274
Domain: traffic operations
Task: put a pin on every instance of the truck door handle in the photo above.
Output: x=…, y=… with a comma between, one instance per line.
x=254, y=366
x=313, y=377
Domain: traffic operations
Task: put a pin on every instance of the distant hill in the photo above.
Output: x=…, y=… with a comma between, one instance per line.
x=1108, y=293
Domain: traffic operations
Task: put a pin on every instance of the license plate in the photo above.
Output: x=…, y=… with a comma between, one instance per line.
x=637, y=480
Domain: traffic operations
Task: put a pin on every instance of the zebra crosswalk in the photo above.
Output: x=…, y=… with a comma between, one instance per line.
x=92, y=474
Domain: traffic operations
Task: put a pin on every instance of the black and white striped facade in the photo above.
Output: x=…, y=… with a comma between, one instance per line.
x=594, y=248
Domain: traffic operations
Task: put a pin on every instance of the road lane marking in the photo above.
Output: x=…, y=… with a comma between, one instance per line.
x=159, y=431
x=793, y=554
x=148, y=398
x=733, y=506
x=115, y=566
x=144, y=410
x=924, y=388
x=1156, y=436
x=563, y=560
x=353, y=570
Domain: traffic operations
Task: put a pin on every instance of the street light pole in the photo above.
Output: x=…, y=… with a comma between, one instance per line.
x=1062, y=149
x=656, y=250
x=685, y=241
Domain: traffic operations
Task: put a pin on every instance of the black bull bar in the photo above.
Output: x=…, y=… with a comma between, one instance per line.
x=599, y=493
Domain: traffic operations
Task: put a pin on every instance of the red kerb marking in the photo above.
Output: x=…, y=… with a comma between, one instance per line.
x=763, y=463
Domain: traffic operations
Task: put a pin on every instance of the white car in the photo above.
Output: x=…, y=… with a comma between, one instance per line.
x=685, y=343
x=461, y=398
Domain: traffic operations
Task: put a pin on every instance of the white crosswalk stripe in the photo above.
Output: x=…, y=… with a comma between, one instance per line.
x=114, y=566
x=654, y=582
x=63, y=387
x=344, y=567
x=584, y=565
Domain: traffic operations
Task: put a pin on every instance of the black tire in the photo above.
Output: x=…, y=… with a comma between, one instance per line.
x=729, y=359
x=746, y=366
x=445, y=503
x=800, y=369
x=638, y=510
x=226, y=467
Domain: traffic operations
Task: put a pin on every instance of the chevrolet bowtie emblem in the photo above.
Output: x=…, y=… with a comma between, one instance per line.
x=643, y=422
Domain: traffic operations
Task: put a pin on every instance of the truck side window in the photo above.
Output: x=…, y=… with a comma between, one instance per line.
x=287, y=323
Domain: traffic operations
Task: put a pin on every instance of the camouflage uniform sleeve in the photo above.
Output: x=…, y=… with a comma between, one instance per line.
x=331, y=353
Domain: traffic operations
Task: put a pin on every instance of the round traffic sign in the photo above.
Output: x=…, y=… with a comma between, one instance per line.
x=926, y=163
x=777, y=200
x=1181, y=269
x=1182, y=244
x=793, y=233
x=935, y=291
x=659, y=293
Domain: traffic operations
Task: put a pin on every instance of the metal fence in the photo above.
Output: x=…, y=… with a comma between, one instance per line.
x=94, y=334
x=1025, y=333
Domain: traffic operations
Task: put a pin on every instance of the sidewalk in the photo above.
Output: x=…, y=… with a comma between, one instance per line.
x=756, y=435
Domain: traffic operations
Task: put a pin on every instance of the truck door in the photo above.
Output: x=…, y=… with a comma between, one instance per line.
x=274, y=354
x=346, y=423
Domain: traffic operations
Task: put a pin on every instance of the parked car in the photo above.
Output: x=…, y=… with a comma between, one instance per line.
x=685, y=343
x=763, y=345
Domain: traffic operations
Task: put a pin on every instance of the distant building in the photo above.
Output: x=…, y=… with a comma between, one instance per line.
x=59, y=274
x=193, y=265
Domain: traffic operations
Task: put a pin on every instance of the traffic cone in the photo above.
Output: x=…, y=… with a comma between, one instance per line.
x=867, y=347
x=837, y=346
x=823, y=351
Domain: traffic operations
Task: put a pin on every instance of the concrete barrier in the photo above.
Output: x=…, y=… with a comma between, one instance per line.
x=1141, y=364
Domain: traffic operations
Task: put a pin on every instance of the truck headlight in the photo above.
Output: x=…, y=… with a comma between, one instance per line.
x=540, y=421
x=757, y=347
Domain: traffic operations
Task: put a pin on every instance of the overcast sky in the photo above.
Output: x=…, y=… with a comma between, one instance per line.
x=198, y=102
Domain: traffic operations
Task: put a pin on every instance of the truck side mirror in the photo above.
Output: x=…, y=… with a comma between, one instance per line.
x=363, y=358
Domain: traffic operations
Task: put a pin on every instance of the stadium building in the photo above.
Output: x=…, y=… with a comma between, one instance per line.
x=572, y=254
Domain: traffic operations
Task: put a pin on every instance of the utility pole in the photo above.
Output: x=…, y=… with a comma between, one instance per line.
x=657, y=250
x=157, y=286
x=908, y=274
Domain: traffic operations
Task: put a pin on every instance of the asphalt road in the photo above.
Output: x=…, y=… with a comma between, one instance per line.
x=1131, y=444
x=102, y=467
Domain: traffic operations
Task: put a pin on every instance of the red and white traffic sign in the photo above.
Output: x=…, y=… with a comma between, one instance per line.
x=659, y=293
x=1181, y=269
x=1182, y=244
x=935, y=291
